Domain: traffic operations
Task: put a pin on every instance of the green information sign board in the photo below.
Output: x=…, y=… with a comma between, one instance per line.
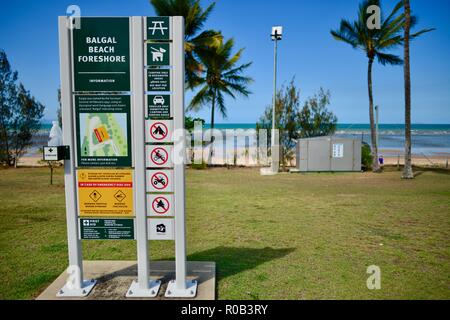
x=158, y=80
x=103, y=130
x=158, y=54
x=158, y=106
x=101, y=54
x=107, y=229
x=158, y=28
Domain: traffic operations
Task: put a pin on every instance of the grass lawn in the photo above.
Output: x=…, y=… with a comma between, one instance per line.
x=290, y=236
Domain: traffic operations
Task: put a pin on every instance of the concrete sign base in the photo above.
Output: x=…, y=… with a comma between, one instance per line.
x=114, y=279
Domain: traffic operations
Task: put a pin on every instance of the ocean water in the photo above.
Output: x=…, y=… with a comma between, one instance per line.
x=428, y=139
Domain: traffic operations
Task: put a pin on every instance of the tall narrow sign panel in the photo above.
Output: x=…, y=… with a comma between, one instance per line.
x=101, y=54
x=103, y=130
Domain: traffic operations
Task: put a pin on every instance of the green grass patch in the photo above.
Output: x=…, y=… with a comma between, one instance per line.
x=291, y=236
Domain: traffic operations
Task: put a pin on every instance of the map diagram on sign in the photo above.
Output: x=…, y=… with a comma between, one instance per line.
x=103, y=134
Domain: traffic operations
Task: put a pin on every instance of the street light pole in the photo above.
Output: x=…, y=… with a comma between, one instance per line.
x=274, y=100
x=276, y=35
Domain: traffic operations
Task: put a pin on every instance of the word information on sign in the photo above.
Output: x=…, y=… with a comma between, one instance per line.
x=160, y=205
x=105, y=193
x=161, y=229
x=158, y=131
x=101, y=54
x=158, y=28
x=103, y=130
x=158, y=80
x=159, y=180
x=107, y=229
x=158, y=156
x=158, y=106
x=158, y=54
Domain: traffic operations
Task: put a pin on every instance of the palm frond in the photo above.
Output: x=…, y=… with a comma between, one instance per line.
x=201, y=98
x=388, y=59
x=416, y=34
x=344, y=38
x=237, y=70
x=221, y=105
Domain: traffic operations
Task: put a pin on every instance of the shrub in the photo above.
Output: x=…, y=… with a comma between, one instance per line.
x=199, y=166
x=366, y=157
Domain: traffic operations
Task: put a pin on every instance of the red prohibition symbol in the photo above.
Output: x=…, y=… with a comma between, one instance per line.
x=159, y=131
x=159, y=156
x=159, y=180
x=160, y=205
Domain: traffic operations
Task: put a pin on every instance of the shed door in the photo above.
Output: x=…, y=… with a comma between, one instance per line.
x=319, y=155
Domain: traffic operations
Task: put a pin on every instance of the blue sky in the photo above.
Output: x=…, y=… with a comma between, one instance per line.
x=28, y=34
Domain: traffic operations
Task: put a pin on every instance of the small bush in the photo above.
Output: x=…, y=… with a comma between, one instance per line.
x=199, y=166
x=366, y=157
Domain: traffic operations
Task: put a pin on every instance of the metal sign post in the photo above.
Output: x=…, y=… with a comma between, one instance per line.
x=143, y=287
x=75, y=286
x=179, y=287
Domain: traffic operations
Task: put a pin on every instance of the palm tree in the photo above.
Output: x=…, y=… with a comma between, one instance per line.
x=375, y=43
x=195, y=41
x=407, y=170
x=220, y=77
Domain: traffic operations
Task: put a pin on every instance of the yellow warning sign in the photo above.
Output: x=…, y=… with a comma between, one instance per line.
x=105, y=193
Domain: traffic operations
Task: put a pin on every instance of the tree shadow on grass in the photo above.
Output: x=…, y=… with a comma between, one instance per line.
x=230, y=260
x=418, y=171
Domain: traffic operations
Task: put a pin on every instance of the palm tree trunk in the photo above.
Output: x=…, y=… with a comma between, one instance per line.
x=211, y=146
x=407, y=170
x=213, y=106
x=375, y=164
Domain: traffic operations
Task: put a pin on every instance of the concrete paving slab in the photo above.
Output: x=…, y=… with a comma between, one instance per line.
x=115, y=277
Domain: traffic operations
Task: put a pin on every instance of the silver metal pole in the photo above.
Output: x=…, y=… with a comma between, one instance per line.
x=143, y=287
x=75, y=285
x=139, y=170
x=178, y=97
x=179, y=287
x=376, y=111
x=273, y=142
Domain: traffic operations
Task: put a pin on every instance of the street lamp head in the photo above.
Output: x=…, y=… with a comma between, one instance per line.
x=277, y=33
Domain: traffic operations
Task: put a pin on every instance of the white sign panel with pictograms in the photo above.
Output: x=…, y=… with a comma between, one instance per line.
x=158, y=131
x=159, y=180
x=160, y=205
x=158, y=156
x=161, y=229
x=338, y=150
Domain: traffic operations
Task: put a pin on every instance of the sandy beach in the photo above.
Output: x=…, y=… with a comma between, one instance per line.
x=391, y=157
